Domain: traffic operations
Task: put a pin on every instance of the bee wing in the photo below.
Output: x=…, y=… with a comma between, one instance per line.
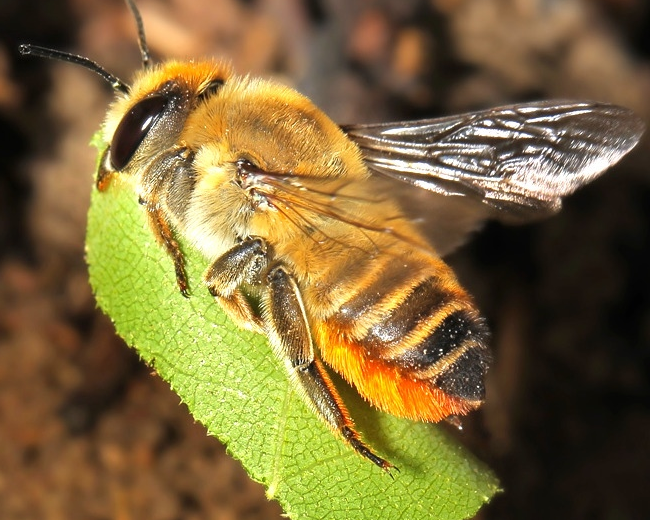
x=513, y=163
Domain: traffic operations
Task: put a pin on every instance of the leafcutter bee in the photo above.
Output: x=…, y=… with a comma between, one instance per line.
x=328, y=239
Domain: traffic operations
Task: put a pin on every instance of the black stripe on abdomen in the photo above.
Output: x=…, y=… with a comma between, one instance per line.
x=465, y=378
x=452, y=332
x=435, y=335
x=454, y=356
x=420, y=304
x=430, y=332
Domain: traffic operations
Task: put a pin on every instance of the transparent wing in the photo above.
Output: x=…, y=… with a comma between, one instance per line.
x=513, y=163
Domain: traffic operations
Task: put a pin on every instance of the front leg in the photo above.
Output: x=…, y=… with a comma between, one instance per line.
x=290, y=337
x=163, y=233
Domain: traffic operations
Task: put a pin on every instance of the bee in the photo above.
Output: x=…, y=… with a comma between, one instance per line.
x=328, y=239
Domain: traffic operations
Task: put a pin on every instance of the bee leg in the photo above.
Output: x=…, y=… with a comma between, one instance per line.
x=291, y=339
x=241, y=264
x=165, y=236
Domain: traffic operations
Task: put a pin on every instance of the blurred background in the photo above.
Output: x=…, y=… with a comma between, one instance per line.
x=87, y=432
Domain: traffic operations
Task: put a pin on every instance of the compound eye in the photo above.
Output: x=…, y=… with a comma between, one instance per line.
x=134, y=128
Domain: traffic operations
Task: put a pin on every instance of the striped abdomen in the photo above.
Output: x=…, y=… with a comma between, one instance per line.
x=410, y=341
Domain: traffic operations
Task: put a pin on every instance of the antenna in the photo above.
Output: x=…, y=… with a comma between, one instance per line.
x=116, y=83
x=44, y=52
x=142, y=41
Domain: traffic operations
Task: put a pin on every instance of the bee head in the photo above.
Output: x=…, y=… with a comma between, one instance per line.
x=148, y=114
x=151, y=116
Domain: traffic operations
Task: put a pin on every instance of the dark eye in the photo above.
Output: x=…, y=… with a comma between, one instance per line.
x=134, y=128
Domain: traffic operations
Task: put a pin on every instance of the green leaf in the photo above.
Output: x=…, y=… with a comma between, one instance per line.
x=232, y=383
